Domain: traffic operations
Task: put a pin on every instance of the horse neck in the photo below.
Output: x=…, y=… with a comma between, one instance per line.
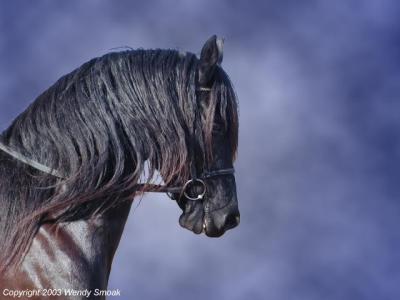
x=80, y=253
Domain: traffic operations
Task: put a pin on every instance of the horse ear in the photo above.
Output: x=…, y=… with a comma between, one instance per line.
x=211, y=56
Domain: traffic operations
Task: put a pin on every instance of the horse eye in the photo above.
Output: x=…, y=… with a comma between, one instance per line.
x=218, y=128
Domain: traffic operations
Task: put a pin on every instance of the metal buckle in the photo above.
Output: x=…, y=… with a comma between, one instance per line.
x=193, y=182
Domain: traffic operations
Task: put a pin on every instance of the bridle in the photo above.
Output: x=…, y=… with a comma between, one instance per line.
x=195, y=179
x=183, y=190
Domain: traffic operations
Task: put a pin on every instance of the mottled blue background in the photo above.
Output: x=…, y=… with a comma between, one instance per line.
x=319, y=161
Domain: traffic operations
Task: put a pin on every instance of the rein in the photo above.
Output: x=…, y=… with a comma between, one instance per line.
x=34, y=164
x=154, y=188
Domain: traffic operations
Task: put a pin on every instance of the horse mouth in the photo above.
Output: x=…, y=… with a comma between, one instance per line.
x=197, y=218
x=213, y=231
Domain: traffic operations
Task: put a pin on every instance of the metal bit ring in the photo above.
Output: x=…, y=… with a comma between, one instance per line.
x=194, y=181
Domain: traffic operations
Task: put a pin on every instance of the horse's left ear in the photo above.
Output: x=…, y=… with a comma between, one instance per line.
x=211, y=56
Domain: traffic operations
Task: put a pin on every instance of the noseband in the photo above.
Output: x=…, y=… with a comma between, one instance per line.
x=183, y=190
x=205, y=175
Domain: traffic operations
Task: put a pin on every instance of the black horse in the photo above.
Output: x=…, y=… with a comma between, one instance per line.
x=71, y=164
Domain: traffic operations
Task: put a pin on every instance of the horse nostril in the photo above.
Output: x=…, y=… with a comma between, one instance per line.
x=237, y=219
x=232, y=221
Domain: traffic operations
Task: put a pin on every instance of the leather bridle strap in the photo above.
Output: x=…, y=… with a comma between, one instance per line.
x=141, y=186
x=158, y=188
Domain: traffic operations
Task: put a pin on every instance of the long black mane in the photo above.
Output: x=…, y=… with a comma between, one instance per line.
x=98, y=125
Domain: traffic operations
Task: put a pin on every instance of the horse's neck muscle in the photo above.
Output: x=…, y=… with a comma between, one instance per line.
x=75, y=255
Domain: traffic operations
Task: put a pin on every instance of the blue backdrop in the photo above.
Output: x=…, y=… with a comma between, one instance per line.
x=319, y=157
